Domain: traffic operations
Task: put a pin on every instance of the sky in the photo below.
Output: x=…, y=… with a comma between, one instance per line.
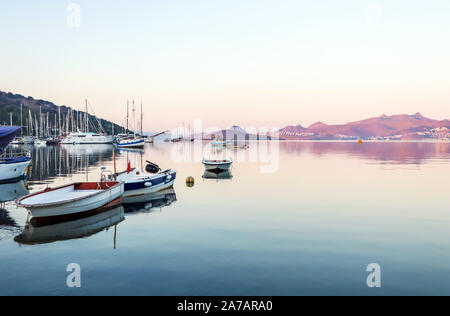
x=244, y=62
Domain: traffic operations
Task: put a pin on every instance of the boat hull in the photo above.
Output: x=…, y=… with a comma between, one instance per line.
x=217, y=167
x=13, y=171
x=134, y=191
x=67, y=208
x=133, y=144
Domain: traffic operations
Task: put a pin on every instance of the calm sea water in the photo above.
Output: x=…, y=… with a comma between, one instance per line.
x=310, y=227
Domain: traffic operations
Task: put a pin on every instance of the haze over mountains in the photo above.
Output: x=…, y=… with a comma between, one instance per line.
x=403, y=126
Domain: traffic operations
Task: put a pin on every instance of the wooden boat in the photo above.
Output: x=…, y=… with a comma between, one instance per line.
x=70, y=200
x=217, y=165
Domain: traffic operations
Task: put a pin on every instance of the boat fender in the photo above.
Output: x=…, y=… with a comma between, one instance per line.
x=168, y=178
x=148, y=184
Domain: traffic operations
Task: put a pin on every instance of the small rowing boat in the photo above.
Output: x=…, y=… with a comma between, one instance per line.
x=70, y=200
x=217, y=165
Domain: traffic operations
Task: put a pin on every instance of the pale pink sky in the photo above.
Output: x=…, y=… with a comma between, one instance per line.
x=258, y=63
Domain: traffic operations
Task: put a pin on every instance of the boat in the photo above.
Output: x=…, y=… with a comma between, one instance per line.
x=217, y=165
x=131, y=143
x=139, y=183
x=67, y=230
x=52, y=141
x=149, y=202
x=71, y=200
x=13, y=167
x=217, y=175
x=39, y=142
x=87, y=138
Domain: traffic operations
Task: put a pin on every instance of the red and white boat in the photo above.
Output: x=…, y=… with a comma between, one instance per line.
x=71, y=200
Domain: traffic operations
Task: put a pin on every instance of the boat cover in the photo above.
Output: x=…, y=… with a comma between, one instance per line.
x=7, y=134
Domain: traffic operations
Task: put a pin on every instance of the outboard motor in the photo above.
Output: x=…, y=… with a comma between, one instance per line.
x=152, y=167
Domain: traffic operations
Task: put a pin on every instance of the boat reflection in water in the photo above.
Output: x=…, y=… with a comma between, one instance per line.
x=149, y=202
x=10, y=192
x=80, y=228
x=217, y=175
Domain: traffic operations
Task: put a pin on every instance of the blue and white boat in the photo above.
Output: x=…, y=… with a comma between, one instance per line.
x=139, y=183
x=131, y=143
x=12, y=167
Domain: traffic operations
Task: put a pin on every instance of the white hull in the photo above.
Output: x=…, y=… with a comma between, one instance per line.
x=135, y=143
x=83, y=138
x=222, y=165
x=13, y=170
x=66, y=201
x=140, y=195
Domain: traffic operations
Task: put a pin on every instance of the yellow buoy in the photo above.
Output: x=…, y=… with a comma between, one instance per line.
x=190, y=182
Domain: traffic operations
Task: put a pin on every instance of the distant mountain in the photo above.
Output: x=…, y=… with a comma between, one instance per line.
x=397, y=127
x=235, y=133
x=10, y=103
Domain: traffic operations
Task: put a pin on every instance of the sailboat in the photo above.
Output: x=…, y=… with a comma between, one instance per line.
x=86, y=137
x=132, y=142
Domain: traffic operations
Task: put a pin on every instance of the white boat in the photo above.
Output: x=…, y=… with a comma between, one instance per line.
x=139, y=183
x=217, y=164
x=131, y=143
x=71, y=200
x=87, y=138
x=12, y=166
x=39, y=142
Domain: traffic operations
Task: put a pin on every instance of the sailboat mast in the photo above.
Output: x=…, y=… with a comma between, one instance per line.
x=86, y=129
x=128, y=114
x=21, y=121
x=142, y=116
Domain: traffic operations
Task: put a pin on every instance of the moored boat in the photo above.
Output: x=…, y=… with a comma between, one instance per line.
x=131, y=143
x=217, y=164
x=71, y=200
x=12, y=166
x=138, y=183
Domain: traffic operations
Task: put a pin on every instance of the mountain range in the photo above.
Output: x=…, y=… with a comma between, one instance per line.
x=403, y=126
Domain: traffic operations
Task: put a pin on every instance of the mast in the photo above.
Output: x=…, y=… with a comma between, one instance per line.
x=86, y=128
x=21, y=121
x=128, y=114
x=59, y=120
x=142, y=116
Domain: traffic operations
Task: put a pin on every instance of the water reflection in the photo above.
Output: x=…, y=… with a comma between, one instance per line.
x=81, y=228
x=12, y=191
x=217, y=175
x=50, y=162
x=150, y=202
x=393, y=152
